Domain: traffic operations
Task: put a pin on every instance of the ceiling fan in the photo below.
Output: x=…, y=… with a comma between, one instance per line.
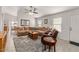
x=31, y=10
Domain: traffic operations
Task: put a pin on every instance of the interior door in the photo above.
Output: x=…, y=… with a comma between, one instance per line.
x=74, y=30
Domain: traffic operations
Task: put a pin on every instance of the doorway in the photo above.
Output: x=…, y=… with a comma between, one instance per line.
x=74, y=28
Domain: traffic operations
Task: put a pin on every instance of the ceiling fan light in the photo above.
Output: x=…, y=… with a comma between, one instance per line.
x=30, y=13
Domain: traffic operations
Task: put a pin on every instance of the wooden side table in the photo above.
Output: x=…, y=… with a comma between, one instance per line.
x=49, y=41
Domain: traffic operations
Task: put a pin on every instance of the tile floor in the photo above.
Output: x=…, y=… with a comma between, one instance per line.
x=10, y=44
x=62, y=45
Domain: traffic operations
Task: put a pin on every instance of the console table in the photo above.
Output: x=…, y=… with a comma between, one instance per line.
x=3, y=37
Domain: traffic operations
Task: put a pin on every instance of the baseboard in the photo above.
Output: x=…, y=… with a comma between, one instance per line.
x=74, y=43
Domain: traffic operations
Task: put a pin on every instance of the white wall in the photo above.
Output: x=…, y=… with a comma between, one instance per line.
x=50, y=21
x=22, y=15
x=66, y=16
x=8, y=18
x=1, y=21
x=12, y=10
x=7, y=14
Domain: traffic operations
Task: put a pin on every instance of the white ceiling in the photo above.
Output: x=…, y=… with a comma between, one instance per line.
x=42, y=10
x=46, y=10
x=12, y=10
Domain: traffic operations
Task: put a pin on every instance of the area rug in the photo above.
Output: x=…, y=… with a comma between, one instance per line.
x=25, y=44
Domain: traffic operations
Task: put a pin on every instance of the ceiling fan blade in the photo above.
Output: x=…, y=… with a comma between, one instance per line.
x=35, y=12
x=31, y=7
x=26, y=10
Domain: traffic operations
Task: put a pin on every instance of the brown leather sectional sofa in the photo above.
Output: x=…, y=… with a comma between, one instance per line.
x=21, y=31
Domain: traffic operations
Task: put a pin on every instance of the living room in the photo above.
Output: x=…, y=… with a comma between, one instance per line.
x=26, y=27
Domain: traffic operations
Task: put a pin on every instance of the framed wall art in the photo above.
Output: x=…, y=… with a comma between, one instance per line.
x=45, y=21
x=25, y=22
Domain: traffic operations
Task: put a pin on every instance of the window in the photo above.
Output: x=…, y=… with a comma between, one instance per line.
x=14, y=23
x=57, y=23
x=40, y=23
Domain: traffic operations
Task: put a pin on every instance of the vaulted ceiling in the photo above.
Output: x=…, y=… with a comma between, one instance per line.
x=46, y=10
x=42, y=10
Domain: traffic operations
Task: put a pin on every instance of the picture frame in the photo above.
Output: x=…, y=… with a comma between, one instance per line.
x=45, y=21
x=25, y=22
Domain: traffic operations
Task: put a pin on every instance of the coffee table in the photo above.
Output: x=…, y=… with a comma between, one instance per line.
x=33, y=35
